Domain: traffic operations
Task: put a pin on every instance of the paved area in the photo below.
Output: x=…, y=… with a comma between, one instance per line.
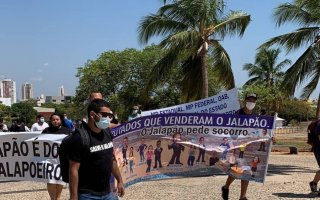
x=287, y=178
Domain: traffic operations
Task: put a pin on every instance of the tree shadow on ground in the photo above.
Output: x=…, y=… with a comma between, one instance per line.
x=296, y=196
x=287, y=170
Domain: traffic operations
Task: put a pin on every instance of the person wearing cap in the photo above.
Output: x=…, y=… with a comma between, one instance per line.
x=250, y=102
x=135, y=113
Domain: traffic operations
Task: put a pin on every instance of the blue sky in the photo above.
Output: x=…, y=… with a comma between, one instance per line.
x=44, y=42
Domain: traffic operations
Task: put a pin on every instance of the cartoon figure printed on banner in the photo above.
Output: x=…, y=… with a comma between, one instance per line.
x=254, y=165
x=157, y=155
x=213, y=159
x=202, y=150
x=192, y=153
x=225, y=145
x=131, y=160
x=263, y=144
x=141, y=149
x=124, y=150
x=149, y=155
x=177, y=148
x=242, y=148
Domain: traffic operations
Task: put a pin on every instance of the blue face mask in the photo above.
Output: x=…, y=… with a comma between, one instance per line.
x=103, y=123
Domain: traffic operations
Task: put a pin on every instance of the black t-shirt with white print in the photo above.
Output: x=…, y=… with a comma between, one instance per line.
x=96, y=165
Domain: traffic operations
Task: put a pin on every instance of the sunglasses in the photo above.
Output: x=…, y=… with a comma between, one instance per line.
x=106, y=114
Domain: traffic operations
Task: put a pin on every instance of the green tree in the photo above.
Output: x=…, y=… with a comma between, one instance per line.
x=193, y=29
x=266, y=70
x=24, y=110
x=121, y=76
x=297, y=110
x=306, y=14
x=269, y=98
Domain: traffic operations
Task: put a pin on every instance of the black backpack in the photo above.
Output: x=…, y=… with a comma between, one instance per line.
x=64, y=150
x=65, y=147
x=312, y=132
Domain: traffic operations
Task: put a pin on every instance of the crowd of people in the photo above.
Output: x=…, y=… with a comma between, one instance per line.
x=103, y=166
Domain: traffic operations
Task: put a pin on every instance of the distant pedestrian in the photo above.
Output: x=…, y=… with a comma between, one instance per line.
x=68, y=122
x=19, y=126
x=40, y=124
x=3, y=127
x=56, y=127
x=135, y=113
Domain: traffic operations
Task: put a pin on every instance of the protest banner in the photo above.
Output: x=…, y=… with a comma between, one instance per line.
x=225, y=102
x=30, y=156
x=156, y=147
x=193, y=144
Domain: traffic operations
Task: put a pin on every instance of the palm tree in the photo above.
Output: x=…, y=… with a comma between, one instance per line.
x=193, y=29
x=305, y=13
x=266, y=69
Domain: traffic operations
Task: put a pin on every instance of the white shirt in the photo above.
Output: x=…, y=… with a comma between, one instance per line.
x=4, y=128
x=36, y=127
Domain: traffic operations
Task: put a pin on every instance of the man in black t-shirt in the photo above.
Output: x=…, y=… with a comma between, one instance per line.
x=90, y=168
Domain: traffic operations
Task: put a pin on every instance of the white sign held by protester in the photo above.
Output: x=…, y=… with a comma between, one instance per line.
x=226, y=102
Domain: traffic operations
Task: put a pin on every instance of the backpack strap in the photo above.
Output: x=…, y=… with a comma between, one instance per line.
x=85, y=138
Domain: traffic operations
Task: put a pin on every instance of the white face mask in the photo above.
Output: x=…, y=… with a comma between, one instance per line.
x=103, y=123
x=250, y=105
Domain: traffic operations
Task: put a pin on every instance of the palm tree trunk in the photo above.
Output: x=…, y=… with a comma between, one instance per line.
x=204, y=73
x=318, y=108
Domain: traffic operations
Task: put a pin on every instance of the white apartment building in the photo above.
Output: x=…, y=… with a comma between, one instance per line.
x=8, y=90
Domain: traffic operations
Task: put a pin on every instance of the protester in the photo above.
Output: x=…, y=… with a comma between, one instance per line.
x=90, y=170
x=19, y=126
x=250, y=102
x=55, y=127
x=135, y=113
x=115, y=122
x=316, y=151
x=68, y=122
x=97, y=95
x=40, y=125
x=3, y=127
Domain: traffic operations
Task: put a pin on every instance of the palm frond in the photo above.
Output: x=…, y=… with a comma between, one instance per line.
x=160, y=71
x=294, y=40
x=234, y=23
x=300, y=70
x=222, y=66
x=155, y=25
x=192, y=79
x=293, y=13
x=311, y=86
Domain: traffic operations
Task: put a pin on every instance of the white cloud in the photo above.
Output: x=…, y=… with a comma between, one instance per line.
x=45, y=64
x=37, y=78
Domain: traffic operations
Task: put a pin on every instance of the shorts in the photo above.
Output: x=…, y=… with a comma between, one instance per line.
x=316, y=151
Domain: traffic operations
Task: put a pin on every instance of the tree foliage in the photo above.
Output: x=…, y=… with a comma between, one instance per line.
x=266, y=69
x=25, y=111
x=122, y=76
x=306, y=14
x=192, y=30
